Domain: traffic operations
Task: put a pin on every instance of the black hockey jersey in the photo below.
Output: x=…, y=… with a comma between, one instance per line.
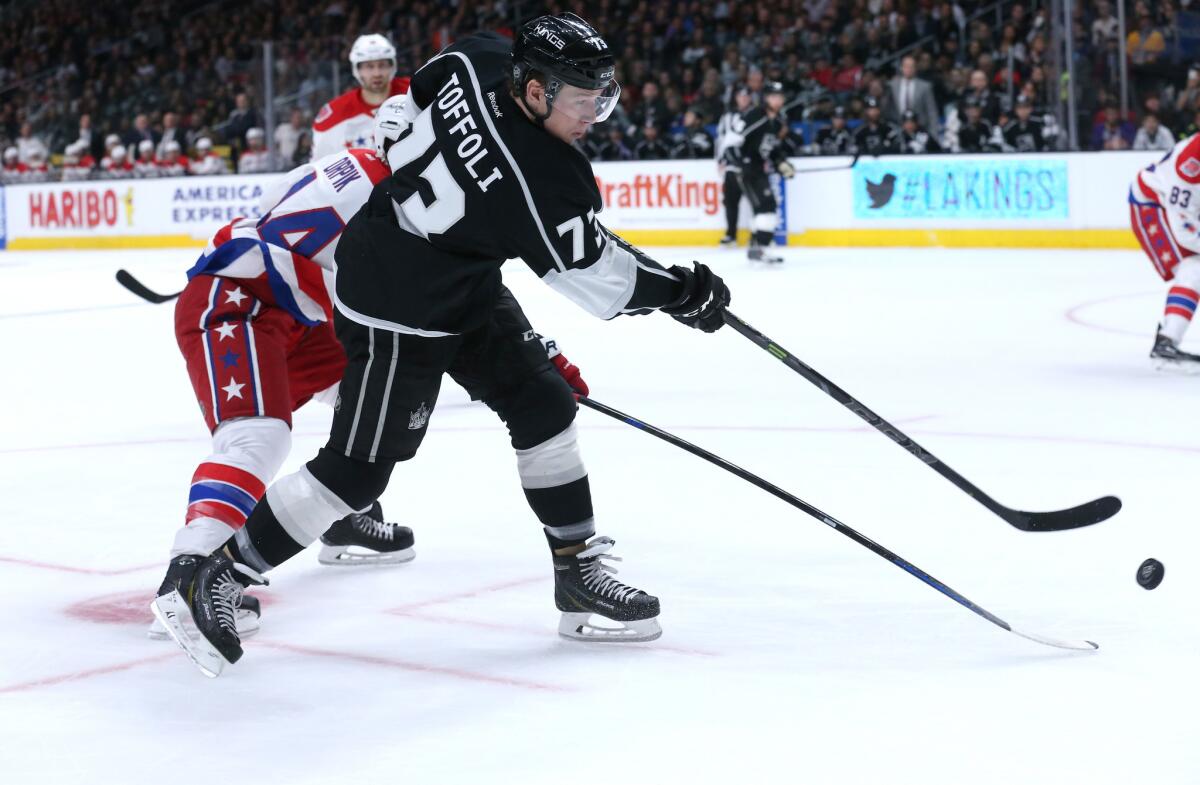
x=835, y=141
x=878, y=139
x=918, y=143
x=976, y=137
x=1026, y=137
x=762, y=139
x=475, y=182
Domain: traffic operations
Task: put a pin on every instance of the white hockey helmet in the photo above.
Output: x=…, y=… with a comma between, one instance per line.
x=255, y=133
x=118, y=151
x=203, y=143
x=391, y=121
x=371, y=47
x=145, y=146
x=111, y=139
x=11, y=154
x=172, y=147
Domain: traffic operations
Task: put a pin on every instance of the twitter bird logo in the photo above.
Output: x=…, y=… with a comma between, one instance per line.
x=881, y=192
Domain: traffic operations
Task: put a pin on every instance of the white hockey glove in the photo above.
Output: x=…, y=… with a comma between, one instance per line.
x=391, y=122
x=732, y=139
x=785, y=169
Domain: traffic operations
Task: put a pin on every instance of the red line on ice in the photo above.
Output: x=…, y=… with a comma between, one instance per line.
x=402, y=610
x=416, y=667
x=82, y=570
x=87, y=674
x=1072, y=314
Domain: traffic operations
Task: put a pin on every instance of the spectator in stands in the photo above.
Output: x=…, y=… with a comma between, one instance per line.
x=651, y=147
x=615, y=148
x=256, y=158
x=172, y=163
x=909, y=93
x=29, y=144
x=1153, y=136
x=1105, y=27
x=141, y=132
x=85, y=134
x=1192, y=128
x=979, y=90
x=1146, y=44
x=117, y=166
x=206, y=161
x=303, y=150
x=287, y=136
x=693, y=141
x=651, y=109
x=240, y=120
x=171, y=132
x=1112, y=132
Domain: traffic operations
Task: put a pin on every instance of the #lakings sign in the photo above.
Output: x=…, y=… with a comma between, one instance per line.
x=1003, y=187
x=168, y=212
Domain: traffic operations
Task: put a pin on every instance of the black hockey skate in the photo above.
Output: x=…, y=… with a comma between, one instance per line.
x=583, y=586
x=1168, y=356
x=757, y=253
x=365, y=539
x=728, y=241
x=249, y=612
x=207, y=594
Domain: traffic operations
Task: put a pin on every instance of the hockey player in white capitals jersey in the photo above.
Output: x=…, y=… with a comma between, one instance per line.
x=253, y=324
x=1164, y=210
x=349, y=120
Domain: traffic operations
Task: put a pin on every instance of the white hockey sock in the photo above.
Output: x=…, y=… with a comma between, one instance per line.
x=1182, y=299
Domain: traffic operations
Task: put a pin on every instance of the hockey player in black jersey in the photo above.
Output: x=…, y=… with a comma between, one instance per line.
x=762, y=153
x=1025, y=134
x=876, y=136
x=835, y=139
x=975, y=135
x=483, y=170
x=729, y=161
x=914, y=139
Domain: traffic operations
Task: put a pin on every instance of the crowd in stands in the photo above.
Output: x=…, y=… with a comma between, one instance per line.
x=146, y=88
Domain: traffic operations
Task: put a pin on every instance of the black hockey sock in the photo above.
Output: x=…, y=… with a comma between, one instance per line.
x=763, y=239
x=565, y=511
x=262, y=544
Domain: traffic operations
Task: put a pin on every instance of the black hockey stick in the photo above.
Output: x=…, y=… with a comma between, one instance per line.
x=828, y=520
x=140, y=289
x=837, y=168
x=1087, y=514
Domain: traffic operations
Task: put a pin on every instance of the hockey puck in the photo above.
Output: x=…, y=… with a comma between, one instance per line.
x=1150, y=574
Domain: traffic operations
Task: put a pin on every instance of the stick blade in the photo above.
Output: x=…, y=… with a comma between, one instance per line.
x=1056, y=642
x=126, y=279
x=1087, y=514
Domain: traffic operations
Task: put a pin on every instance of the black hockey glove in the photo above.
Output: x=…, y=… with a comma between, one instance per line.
x=704, y=299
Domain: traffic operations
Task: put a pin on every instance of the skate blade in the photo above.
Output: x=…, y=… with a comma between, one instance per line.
x=248, y=625
x=342, y=556
x=1176, y=367
x=170, y=610
x=577, y=627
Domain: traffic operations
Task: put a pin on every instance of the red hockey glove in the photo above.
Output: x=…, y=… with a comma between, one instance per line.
x=569, y=372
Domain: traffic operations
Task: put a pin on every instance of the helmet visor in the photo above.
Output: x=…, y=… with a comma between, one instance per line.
x=587, y=106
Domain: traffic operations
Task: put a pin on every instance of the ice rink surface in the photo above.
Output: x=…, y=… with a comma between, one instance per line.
x=789, y=655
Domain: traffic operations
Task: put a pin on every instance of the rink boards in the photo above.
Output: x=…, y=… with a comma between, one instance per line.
x=1074, y=200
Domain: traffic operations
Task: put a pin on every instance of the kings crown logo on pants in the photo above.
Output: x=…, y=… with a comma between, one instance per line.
x=417, y=419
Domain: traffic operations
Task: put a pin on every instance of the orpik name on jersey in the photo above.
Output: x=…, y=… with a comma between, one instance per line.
x=293, y=244
x=475, y=183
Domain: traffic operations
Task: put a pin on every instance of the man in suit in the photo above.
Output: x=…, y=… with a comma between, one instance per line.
x=908, y=93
